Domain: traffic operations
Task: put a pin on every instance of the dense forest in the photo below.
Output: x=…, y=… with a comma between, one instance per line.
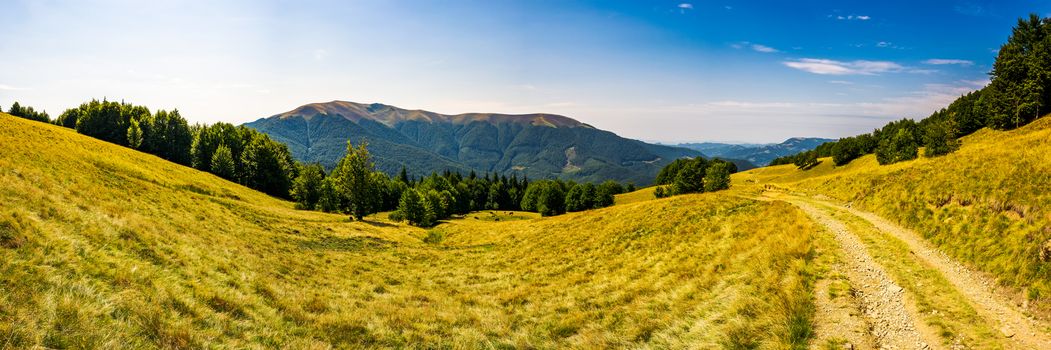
x=1018, y=93
x=354, y=186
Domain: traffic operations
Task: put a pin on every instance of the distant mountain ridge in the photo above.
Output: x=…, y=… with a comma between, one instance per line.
x=758, y=154
x=534, y=145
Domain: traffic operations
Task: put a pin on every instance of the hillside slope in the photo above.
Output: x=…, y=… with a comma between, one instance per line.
x=535, y=145
x=105, y=247
x=986, y=205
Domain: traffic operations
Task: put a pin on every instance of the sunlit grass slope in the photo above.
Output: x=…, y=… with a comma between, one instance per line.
x=642, y=194
x=105, y=247
x=988, y=204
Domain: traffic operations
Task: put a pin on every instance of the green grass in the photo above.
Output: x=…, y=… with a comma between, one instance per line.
x=105, y=247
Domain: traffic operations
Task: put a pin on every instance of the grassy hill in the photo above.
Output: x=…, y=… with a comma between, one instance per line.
x=105, y=247
x=540, y=146
x=986, y=205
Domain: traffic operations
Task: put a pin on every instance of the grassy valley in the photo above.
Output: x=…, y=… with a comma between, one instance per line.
x=107, y=247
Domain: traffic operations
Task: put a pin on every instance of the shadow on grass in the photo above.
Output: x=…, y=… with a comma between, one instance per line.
x=347, y=244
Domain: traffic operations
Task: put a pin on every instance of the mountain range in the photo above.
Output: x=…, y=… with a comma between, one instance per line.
x=533, y=145
x=758, y=154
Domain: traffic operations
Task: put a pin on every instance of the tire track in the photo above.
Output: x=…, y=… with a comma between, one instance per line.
x=882, y=301
x=1022, y=332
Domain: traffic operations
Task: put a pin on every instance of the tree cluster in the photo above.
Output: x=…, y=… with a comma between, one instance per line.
x=1019, y=92
x=28, y=112
x=238, y=154
x=694, y=175
x=355, y=187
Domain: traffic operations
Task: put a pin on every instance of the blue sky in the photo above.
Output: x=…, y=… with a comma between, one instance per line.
x=668, y=71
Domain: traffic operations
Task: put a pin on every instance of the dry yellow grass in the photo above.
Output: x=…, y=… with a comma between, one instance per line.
x=642, y=194
x=105, y=247
x=985, y=205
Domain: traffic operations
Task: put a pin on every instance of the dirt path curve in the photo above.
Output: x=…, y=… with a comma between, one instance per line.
x=1021, y=331
x=882, y=301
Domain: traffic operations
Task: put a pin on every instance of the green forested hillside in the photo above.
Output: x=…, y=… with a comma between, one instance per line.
x=537, y=145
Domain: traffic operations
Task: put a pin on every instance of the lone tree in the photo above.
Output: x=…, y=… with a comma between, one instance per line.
x=352, y=178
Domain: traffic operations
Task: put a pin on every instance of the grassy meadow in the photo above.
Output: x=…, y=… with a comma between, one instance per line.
x=105, y=247
x=985, y=205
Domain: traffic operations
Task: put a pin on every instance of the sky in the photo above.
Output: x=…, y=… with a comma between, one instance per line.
x=661, y=71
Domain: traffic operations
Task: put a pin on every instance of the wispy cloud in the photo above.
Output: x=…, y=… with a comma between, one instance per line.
x=850, y=17
x=763, y=48
x=754, y=47
x=833, y=67
x=840, y=82
x=11, y=88
x=888, y=45
x=945, y=61
x=686, y=6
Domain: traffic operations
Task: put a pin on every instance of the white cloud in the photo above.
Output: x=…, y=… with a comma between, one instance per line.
x=686, y=6
x=840, y=82
x=943, y=61
x=763, y=48
x=755, y=47
x=833, y=67
x=851, y=17
x=11, y=88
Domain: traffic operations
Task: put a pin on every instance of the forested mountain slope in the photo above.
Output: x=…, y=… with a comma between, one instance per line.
x=535, y=145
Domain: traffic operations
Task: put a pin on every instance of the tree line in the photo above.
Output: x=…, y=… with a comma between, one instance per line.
x=235, y=153
x=355, y=187
x=1018, y=93
x=693, y=175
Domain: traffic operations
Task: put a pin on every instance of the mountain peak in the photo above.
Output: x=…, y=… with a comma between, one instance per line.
x=391, y=116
